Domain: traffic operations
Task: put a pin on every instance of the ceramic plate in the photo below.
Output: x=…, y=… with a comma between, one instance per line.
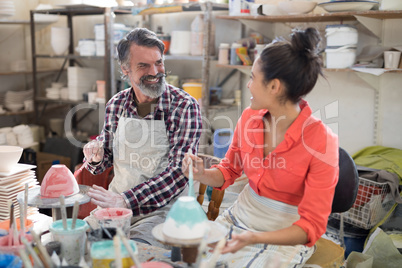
x=216, y=233
x=17, y=169
x=16, y=177
x=341, y=6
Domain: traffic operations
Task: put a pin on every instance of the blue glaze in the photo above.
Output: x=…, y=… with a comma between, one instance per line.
x=186, y=210
x=80, y=225
x=105, y=249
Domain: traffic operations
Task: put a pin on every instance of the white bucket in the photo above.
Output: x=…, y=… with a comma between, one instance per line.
x=180, y=43
x=341, y=35
x=340, y=57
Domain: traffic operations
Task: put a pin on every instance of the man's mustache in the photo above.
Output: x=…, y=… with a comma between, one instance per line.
x=158, y=75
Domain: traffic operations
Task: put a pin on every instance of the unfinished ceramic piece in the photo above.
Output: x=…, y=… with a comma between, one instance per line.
x=186, y=220
x=58, y=180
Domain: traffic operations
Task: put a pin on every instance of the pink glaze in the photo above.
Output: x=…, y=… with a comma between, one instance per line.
x=112, y=213
x=154, y=264
x=5, y=245
x=59, y=180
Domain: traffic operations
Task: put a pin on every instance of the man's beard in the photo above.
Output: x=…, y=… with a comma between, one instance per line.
x=152, y=90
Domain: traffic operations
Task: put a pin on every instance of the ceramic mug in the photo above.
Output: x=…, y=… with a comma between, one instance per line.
x=391, y=59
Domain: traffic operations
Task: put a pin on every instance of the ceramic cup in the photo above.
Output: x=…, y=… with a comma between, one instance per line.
x=72, y=240
x=391, y=59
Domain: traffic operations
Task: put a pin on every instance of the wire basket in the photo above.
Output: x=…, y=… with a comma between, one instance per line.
x=373, y=202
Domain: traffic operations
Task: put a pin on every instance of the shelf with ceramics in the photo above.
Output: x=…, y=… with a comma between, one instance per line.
x=324, y=17
x=28, y=72
x=375, y=71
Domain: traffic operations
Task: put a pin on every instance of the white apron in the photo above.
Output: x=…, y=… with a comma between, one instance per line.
x=140, y=152
x=256, y=213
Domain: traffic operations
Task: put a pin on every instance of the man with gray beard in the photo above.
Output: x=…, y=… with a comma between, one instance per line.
x=148, y=129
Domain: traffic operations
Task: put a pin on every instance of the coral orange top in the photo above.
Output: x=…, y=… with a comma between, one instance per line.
x=301, y=171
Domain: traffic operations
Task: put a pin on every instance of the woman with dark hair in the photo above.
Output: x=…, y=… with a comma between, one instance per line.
x=289, y=156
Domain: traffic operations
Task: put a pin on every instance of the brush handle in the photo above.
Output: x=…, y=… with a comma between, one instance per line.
x=63, y=211
x=191, y=179
x=132, y=254
x=75, y=213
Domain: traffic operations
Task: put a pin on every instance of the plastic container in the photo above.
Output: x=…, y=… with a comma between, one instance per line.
x=234, y=59
x=5, y=248
x=5, y=225
x=223, y=57
x=103, y=254
x=341, y=35
x=340, y=57
x=197, y=35
x=194, y=89
x=115, y=217
x=222, y=140
x=239, y=7
x=72, y=240
x=258, y=50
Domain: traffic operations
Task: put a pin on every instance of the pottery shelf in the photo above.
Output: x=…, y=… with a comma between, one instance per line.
x=324, y=17
x=17, y=113
x=28, y=72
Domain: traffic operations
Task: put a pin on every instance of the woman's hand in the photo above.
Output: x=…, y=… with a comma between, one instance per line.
x=198, y=165
x=93, y=151
x=238, y=242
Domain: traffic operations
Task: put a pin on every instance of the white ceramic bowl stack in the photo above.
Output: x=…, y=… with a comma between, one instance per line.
x=14, y=100
x=59, y=39
x=24, y=135
x=7, y=8
x=341, y=45
x=296, y=7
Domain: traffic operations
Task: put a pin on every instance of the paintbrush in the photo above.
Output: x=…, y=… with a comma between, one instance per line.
x=63, y=211
x=10, y=228
x=75, y=213
x=26, y=202
x=22, y=221
x=130, y=251
x=47, y=260
x=117, y=251
x=217, y=252
x=191, y=179
x=25, y=259
x=32, y=252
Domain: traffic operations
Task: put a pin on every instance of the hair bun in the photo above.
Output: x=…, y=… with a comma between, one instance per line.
x=306, y=42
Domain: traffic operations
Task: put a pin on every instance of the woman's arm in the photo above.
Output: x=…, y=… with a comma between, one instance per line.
x=293, y=235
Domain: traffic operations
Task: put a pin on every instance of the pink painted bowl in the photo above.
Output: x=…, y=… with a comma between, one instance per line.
x=58, y=180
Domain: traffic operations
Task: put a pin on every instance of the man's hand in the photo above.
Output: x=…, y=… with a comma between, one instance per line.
x=93, y=151
x=105, y=198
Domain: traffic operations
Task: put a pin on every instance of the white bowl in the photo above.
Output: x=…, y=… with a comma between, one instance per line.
x=297, y=7
x=9, y=157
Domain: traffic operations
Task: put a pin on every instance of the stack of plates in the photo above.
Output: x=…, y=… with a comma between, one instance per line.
x=81, y=80
x=7, y=8
x=14, y=100
x=12, y=183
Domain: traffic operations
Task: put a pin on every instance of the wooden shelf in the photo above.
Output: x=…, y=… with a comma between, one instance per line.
x=29, y=72
x=57, y=101
x=22, y=112
x=247, y=69
x=325, y=17
x=68, y=57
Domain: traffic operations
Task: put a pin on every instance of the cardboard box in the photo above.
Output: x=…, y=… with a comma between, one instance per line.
x=46, y=160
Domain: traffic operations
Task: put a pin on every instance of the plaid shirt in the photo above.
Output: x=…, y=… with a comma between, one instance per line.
x=182, y=117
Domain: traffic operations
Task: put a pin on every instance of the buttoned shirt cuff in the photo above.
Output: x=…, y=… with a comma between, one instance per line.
x=126, y=200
